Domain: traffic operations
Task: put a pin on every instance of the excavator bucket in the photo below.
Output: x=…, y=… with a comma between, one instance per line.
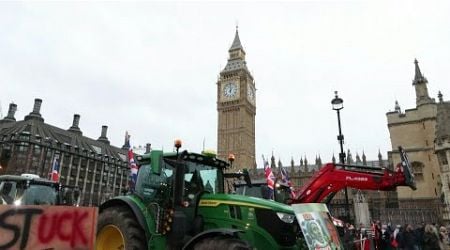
x=407, y=169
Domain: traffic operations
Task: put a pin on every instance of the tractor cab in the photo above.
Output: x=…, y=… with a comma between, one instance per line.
x=178, y=181
x=259, y=188
x=30, y=189
x=27, y=190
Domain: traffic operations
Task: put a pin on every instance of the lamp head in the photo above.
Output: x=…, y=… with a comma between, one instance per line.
x=337, y=103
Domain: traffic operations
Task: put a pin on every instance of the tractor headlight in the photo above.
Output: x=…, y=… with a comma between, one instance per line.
x=18, y=202
x=287, y=218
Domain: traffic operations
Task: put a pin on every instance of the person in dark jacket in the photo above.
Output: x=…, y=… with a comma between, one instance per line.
x=419, y=231
x=386, y=238
x=400, y=238
x=430, y=238
x=409, y=238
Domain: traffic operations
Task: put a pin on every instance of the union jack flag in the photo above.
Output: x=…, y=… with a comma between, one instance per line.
x=285, y=179
x=133, y=167
x=54, y=176
x=270, y=178
x=269, y=175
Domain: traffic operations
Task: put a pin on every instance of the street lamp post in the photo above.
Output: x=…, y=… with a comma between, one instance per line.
x=338, y=104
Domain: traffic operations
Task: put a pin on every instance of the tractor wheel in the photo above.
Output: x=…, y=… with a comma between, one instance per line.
x=117, y=228
x=222, y=243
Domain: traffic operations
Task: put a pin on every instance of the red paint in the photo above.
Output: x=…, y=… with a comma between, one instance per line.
x=64, y=226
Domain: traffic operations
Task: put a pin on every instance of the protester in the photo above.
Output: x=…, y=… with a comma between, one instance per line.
x=409, y=238
x=386, y=238
x=377, y=235
x=400, y=238
x=349, y=236
x=419, y=231
x=430, y=239
x=443, y=237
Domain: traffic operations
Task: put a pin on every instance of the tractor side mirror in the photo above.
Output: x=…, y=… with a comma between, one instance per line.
x=77, y=196
x=247, y=179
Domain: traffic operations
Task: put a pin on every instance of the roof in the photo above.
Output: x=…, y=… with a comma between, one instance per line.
x=17, y=178
x=34, y=128
x=235, y=64
x=236, y=42
x=418, y=76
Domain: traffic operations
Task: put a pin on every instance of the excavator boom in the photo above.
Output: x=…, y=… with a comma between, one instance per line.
x=333, y=177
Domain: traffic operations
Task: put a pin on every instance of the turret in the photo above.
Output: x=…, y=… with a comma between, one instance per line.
x=397, y=107
x=272, y=161
x=126, y=144
x=292, y=166
x=440, y=97
x=420, y=84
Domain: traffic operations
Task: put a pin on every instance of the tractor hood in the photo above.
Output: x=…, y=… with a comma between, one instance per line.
x=212, y=200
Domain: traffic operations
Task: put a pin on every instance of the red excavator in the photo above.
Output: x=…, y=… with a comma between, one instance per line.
x=334, y=177
x=330, y=179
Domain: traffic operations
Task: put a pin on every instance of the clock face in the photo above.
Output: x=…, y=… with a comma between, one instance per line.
x=230, y=90
x=251, y=93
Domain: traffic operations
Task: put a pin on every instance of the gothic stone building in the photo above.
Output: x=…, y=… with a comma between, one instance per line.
x=236, y=107
x=424, y=133
x=99, y=169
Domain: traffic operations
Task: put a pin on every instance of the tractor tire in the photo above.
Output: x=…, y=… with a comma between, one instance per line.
x=117, y=228
x=222, y=243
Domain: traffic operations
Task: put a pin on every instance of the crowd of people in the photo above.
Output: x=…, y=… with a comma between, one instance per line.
x=386, y=237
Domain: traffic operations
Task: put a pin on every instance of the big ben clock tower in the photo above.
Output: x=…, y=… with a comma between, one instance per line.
x=236, y=108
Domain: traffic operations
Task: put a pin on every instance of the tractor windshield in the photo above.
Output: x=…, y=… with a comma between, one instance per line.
x=39, y=195
x=281, y=193
x=19, y=193
x=199, y=177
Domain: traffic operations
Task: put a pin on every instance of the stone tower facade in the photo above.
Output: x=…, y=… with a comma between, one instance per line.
x=236, y=108
x=424, y=133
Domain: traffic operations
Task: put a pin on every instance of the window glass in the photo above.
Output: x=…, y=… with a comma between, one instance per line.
x=7, y=192
x=199, y=177
x=39, y=195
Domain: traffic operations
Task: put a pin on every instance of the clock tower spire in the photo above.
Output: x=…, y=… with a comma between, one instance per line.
x=236, y=108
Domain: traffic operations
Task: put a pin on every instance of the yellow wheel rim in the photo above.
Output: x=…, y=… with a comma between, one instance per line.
x=110, y=237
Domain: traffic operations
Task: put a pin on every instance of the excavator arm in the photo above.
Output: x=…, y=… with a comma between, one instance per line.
x=334, y=177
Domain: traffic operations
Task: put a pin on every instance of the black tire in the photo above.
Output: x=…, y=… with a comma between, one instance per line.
x=222, y=243
x=124, y=220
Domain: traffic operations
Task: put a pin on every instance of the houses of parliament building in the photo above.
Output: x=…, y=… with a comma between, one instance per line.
x=101, y=170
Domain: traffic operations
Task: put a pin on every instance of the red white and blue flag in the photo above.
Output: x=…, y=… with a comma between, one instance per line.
x=133, y=167
x=285, y=179
x=270, y=177
x=54, y=176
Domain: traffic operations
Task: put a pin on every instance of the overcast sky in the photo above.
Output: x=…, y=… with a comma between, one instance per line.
x=151, y=68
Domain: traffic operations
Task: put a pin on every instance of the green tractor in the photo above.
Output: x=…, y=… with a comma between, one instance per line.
x=30, y=189
x=179, y=203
